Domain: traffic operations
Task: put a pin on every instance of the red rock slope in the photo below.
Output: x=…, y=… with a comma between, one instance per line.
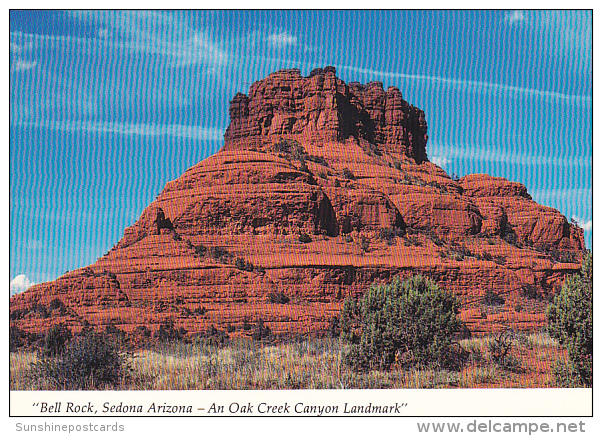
x=320, y=189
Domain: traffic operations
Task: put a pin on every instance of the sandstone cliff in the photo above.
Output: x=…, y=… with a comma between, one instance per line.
x=320, y=189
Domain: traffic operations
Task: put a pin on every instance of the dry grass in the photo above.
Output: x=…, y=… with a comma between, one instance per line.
x=314, y=364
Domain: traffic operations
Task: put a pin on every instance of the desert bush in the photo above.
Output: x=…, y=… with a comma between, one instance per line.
x=261, y=331
x=87, y=361
x=278, y=298
x=56, y=304
x=388, y=234
x=200, y=310
x=55, y=340
x=492, y=299
x=412, y=240
x=143, y=331
x=41, y=311
x=317, y=159
x=530, y=291
x=410, y=323
x=570, y=321
x=244, y=265
x=168, y=333
x=509, y=235
x=499, y=352
x=286, y=145
x=304, y=238
x=334, y=327
x=500, y=259
x=246, y=325
x=19, y=338
x=219, y=253
x=364, y=244
x=115, y=332
x=200, y=249
x=435, y=239
x=214, y=337
x=348, y=174
x=18, y=314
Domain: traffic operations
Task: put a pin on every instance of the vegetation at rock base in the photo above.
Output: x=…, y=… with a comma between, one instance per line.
x=404, y=334
x=300, y=363
x=570, y=320
x=409, y=323
x=88, y=359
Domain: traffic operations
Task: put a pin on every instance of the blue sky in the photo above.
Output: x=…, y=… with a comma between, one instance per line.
x=107, y=106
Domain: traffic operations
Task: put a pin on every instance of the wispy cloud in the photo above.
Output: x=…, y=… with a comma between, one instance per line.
x=20, y=284
x=441, y=161
x=492, y=154
x=157, y=32
x=483, y=87
x=139, y=129
x=585, y=225
x=282, y=39
x=17, y=61
x=513, y=17
x=22, y=65
x=559, y=32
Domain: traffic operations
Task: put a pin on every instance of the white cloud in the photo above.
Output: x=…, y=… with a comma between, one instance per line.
x=513, y=17
x=19, y=284
x=35, y=245
x=490, y=153
x=103, y=33
x=441, y=161
x=158, y=32
x=585, y=225
x=282, y=39
x=483, y=87
x=21, y=65
x=562, y=33
x=174, y=130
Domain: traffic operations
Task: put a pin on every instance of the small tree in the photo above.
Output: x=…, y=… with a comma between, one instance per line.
x=55, y=340
x=570, y=321
x=411, y=323
x=88, y=361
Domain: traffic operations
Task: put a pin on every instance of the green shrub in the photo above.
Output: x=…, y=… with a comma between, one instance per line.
x=530, y=292
x=19, y=338
x=570, y=321
x=168, y=332
x=214, y=337
x=278, y=298
x=88, y=361
x=55, y=340
x=304, y=238
x=388, y=234
x=246, y=325
x=492, y=299
x=499, y=352
x=487, y=255
x=348, y=174
x=261, y=331
x=364, y=244
x=243, y=265
x=411, y=323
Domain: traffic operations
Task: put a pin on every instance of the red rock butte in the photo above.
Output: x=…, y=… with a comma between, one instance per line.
x=321, y=188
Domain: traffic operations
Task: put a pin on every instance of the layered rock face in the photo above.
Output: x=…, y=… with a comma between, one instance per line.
x=320, y=189
x=322, y=107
